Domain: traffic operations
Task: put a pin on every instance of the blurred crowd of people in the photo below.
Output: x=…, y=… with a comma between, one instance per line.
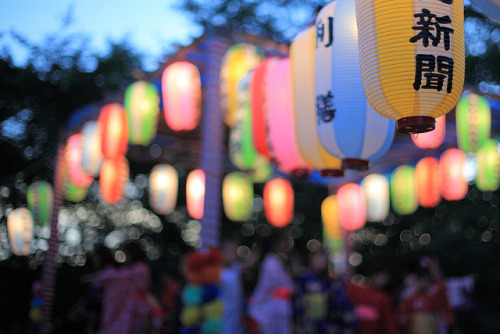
x=271, y=291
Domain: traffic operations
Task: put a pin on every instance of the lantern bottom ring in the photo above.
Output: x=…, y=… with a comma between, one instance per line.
x=358, y=164
x=332, y=172
x=301, y=173
x=416, y=124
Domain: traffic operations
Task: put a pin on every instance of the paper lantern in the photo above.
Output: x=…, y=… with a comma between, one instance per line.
x=237, y=196
x=489, y=8
x=113, y=178
x=195, y=193
x=181, y=89
x=331, y=218
x=352, y=206
x=432, y=139
x=91, y=148
x=258, y=106
x=473, y=117
x=278, y=202
x=452, y=183
x=427, y=182
x=72, y=192
x=488, y=166
x=403, y=191
x=238, y=60
x=163, y=187
x=412, y=58
x=20, y=227
x=310, y=149
x=113, y=126
x=280, y=119
x=377, y=197
x=242, y=151
x=74, y=149
x=347, y=125
x=141, y=105
x=40, y=199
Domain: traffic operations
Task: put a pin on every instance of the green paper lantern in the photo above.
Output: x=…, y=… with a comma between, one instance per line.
x=40, y=199
x=488, y=166
x=142, y=107
x=403, y=190
x=473, y=117
x=237, y=196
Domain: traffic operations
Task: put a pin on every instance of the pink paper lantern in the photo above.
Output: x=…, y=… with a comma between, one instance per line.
x=195, y=193
x=74, y=161
x=352, y=206
x=432, y=139
x=452, y=182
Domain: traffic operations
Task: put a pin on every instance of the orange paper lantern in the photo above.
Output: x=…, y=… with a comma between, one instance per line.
x=427, y=182
x=113, y=178
x=195, y=193
x=452, y=182
x=352, y=206
x=278, y=202
x=113, y=125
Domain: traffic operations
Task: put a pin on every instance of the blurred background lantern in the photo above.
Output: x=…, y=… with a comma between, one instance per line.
x=72, y=192
x=113, y=126
x=377, y=197
x=407, y=75
x=489, y=8
x=181, y=89
x=473, y=117
x=91, y=149
x=141, y=104
x=258, y=107
x=74, y=150
x=452, y=182
x=403, y=191
x=20, y=228
x=195, y=193
x=352, y=207
x=40, y=199
x=238, y=60
x=347, y=125
x=237, y=196
x=163, y=188
x=310, y=149
x=242, y=151
x=113, y=178
x=432, y=139
x=427, y=182
x=333, y=237
x=278, y=202
x=488, y=166
x=280, y=119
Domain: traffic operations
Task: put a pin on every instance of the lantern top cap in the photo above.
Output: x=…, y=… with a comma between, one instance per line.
x=416, y=124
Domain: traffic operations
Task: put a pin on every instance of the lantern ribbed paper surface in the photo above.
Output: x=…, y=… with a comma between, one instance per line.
x=403, y=191
x=239, y=59
x=412, y=58
x=113, y=178
x=237, y=196
x=281, y=122
x=473, y=117
x=377, y=197
x=452, y=185
x=113, y=126
x=20, y=228
x=489, y=8
x=278, y=202
x=242, y=151
x=181, y=89
x=331, y=218
x=352, y=207
x=195, y=193
x=310, y=149
x=74, y=150
x=488, y=166
x=427, y=182
x=258, y=106
x=347, y=125
x=40, y=199
x=141, y=104
x=163, y=187
x=432, y=139
x=91, y=148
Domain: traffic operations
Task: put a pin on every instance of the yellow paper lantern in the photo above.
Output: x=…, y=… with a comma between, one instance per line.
x=195, y=193
x=331, y=218
x=412, y=58
x=377, y=197
x=20, y=228
x=163, y=187
x=237, y=196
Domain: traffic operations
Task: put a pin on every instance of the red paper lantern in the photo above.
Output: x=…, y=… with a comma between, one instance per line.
x=427, y=182
x=113, y=125
x=195, y=193
x=113, y=178
x=432, y=139
x=74, y=161
x=352, y=206
x=452, y=185
x=278, y=202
